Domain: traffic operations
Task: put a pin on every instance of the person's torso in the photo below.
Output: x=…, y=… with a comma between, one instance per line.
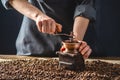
x=31, y=41
x=60, y=10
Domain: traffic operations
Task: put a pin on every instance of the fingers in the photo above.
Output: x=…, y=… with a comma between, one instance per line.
x=53, y=27
x=48, y=26
x=87, y=54
x=62, y=49
x=58, y=27
x=44, y=26
x=39, y=25
x=82, y=46
x=85, y=50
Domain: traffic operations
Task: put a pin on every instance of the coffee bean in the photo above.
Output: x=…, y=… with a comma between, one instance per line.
x=36, y=69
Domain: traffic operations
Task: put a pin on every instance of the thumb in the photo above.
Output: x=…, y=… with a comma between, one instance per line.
x=58, y=27
x=62, y=48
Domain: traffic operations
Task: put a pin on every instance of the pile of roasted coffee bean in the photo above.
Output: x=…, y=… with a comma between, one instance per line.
x=36, y=69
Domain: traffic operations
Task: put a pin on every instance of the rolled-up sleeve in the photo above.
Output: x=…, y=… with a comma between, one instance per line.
x=86, y=9
x=6, y=4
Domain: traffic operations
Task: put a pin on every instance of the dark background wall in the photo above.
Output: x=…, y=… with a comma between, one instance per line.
x=107, y=28
x=9, y=27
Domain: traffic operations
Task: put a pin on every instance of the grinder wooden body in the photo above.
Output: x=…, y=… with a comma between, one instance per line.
x=71, y=58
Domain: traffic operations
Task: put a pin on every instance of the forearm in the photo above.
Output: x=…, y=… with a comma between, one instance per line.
x=25, y=8
x=80, y=27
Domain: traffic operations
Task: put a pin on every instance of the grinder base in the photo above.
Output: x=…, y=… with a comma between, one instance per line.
x=72, y=61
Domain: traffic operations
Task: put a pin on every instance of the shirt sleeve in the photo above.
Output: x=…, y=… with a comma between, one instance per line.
x=85, y=9
x=6, y=4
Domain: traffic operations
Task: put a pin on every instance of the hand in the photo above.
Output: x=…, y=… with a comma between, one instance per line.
x=84, y=49
x=46, y=24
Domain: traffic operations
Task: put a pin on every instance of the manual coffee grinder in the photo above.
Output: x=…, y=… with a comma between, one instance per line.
x=69, y=57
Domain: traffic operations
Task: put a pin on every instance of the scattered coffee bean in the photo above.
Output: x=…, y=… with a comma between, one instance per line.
x=36, y=69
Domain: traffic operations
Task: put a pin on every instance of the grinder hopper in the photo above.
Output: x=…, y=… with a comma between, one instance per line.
x=70, y=57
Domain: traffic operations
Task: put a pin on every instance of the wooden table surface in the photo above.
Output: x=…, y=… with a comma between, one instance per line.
x=115, y=60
